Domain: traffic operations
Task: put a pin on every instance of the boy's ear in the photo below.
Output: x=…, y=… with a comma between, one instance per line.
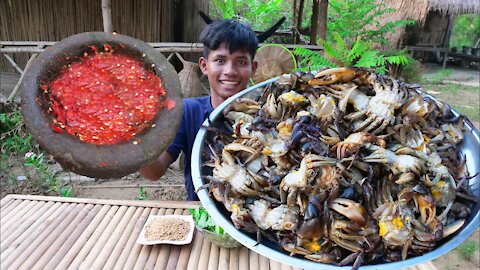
x=254, y=67
x=202, y=62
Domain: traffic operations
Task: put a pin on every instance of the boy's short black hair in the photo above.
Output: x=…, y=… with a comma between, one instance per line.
x=236, y=35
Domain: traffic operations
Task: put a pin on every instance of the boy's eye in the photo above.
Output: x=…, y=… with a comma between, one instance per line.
x=219, y=60
x=242, y=62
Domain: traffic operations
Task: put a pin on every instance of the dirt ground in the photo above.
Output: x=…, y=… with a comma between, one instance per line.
x=168, y=187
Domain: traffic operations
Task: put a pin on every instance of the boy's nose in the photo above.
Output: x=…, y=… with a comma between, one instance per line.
x=230, y=69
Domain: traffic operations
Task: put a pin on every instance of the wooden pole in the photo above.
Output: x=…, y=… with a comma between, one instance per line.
x=322, y=19
x=294, y=21
x=299, y=21
x=314, y=22
x=107, y=16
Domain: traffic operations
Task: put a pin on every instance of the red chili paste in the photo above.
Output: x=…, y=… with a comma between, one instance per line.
x=105, y=98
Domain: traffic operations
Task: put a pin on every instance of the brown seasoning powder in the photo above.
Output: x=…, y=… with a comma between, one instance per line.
x=172, y=229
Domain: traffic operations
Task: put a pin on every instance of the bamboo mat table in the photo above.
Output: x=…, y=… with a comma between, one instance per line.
x=42, y=232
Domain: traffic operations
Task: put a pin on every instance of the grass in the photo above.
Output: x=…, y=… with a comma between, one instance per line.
x=465, y=99
x=467, y=249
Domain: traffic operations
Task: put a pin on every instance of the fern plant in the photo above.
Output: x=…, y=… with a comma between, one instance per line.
x=340, y=53
x=361, y=19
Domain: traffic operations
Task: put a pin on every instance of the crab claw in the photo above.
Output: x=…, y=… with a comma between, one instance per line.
x=352, y=210
x=452, y=228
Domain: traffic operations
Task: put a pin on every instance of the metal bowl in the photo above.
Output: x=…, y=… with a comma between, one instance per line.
x=470, y=147
x=100, y=161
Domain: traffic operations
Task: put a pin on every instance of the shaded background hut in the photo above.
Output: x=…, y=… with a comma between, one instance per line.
x=434, y=20
x=54, y=20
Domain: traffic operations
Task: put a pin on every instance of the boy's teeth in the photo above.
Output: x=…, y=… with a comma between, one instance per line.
x=229, y=82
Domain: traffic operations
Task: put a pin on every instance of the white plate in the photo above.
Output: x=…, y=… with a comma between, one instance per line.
x=143, y=241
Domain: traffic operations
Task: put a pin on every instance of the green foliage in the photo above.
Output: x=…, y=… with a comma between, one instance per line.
x=14, y=138
x=360, y=19
x=18, y=150
x=412, y=71
x=467, y=249
x=260, y=14
x=204, y=221
x=46, y=177
x=466, y=31
x=142, y=194
x=225, y=8
x=360, y=54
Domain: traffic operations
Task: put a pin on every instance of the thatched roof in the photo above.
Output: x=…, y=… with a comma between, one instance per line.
x=418, y=9
x=455, y=7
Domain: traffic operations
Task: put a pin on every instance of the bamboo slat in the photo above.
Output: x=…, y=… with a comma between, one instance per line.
x=233, y=260
x=26, y=220
x=82, y=254
x=223, y=259
x=196, y=248
x=253, y=260
x=123, y=240
x=6, y=210
x=213, y=258
x=75, y=236
x=129, y=246
x=146, y=250
x=24, y=229
x=20, y=217
x=9, y=215
x=5, y=199
x=150, y=264
x=108, y=247
x=88, y=263
x=51, y=248
x=164, y=252
x=19, y=255
x=175, y=250
x=71, y=234
x=24, y=240
x=82, y=240
x=184, y=255
x=243, y=258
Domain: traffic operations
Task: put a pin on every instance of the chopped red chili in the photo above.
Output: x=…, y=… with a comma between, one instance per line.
x=105, y=98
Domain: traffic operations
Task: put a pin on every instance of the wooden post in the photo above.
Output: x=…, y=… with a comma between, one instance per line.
x=107, y=16
x=322, y=19
x=446, y=40
x=294, y=21
x=299, y=21
x=314, y=23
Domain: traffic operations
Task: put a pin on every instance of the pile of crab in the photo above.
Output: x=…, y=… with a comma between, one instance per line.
x=343, y=167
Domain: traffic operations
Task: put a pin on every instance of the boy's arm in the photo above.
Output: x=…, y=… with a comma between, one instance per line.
x=157, y=168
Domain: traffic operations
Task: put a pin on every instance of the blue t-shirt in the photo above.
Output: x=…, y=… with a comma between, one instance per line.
x=195, y=111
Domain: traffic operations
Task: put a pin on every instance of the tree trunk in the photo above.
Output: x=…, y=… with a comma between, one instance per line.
x=294, y=21
x=314, y=23
x=322, y=19
x=299, y=21
x=107, y=16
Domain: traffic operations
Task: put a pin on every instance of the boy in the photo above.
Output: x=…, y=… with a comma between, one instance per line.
x=229, y=49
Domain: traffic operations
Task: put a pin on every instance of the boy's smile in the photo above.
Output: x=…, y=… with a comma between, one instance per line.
x=228, y=73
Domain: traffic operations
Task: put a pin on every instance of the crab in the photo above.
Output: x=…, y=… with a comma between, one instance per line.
x=349, y=94
x=335, y=75
x=322, y=108
x=353, y=143
x=380, y=108
x=395, y=227
x=398, y=163
x=228, y=170
x=275, y=218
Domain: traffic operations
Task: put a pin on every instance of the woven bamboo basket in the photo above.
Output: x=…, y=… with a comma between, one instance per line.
x=189, y=80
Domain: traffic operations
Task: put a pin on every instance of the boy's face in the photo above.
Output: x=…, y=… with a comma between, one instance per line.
x=228, y=73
